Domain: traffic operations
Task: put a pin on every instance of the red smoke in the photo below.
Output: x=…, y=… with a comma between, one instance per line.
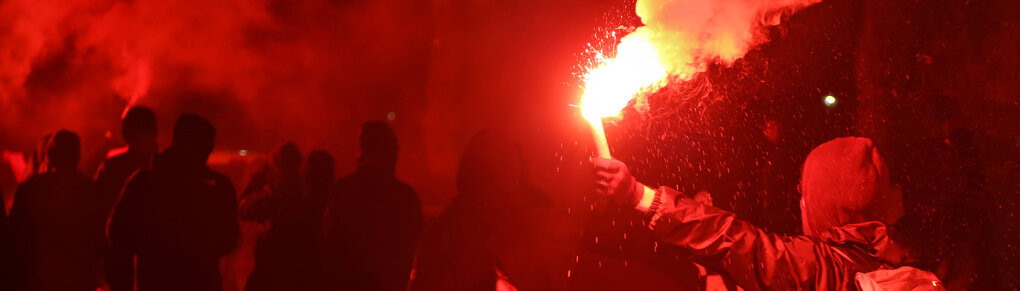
x=78, y=64
x=265, y=71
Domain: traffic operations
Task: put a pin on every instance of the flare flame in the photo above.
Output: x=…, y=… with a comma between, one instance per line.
x=679, y=39
x=610, y=86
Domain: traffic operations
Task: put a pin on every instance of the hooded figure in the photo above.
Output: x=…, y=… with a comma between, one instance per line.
x=56, y=224
x=847, y=205
x=179, y=217
x=846, y=181
x=373, y=221
x=497, y=231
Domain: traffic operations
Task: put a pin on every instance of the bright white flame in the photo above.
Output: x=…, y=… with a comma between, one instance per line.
x=678, y=38
x=609, y=86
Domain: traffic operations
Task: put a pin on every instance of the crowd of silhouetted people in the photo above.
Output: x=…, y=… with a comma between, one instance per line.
x=156, y=219
x=162, y=220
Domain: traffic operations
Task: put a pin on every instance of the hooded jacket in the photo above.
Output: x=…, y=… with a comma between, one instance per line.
x=847, y=203
x=758, y=260
x=845, y=181
x=498, y=227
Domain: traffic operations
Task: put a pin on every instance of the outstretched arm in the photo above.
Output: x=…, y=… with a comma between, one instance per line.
x=747, y=254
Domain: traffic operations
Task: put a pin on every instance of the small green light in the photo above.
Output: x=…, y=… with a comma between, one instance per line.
x=830, y=100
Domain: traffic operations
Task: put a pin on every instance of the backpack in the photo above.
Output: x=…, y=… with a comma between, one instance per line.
x=902, y=278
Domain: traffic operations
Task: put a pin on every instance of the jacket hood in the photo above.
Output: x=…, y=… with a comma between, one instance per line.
x=846, y=181
x=491, y=184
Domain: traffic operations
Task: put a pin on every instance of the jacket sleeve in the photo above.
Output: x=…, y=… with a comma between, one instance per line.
x=755, y=259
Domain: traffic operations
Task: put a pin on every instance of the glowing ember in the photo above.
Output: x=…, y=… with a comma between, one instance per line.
x=610, y=85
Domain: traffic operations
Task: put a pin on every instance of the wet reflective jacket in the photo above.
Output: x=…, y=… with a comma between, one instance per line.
x=758, y=260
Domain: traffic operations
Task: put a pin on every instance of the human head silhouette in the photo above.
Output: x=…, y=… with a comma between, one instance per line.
x=319, y=169
x=139, y=128
x=846, y=181
x=193, y=136
x=378, y=146
x=491, y=162
x=63, y=151
x=287, y=158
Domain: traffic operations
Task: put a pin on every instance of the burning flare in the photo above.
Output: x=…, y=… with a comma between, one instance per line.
x=610, y=86
x=679, y=38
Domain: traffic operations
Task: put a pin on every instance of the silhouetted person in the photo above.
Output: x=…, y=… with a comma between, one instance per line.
x=273, y=199
x=57, y=224
x=139, y=130
x=3, y=225
x=179, y=217
x=4, y=264
x=279, y=181
x=496, y=229
x=287, y=256
x=319, y=171
x=372, y=224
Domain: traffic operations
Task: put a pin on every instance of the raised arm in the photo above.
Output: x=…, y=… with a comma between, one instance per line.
x=747, y=254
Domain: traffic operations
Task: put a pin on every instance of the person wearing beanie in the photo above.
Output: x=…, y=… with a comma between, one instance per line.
x=363, y=250
x=848, y=205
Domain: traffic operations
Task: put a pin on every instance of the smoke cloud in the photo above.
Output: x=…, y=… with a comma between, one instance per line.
x=679, y=38
x=78, y=64
x=689, y=34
